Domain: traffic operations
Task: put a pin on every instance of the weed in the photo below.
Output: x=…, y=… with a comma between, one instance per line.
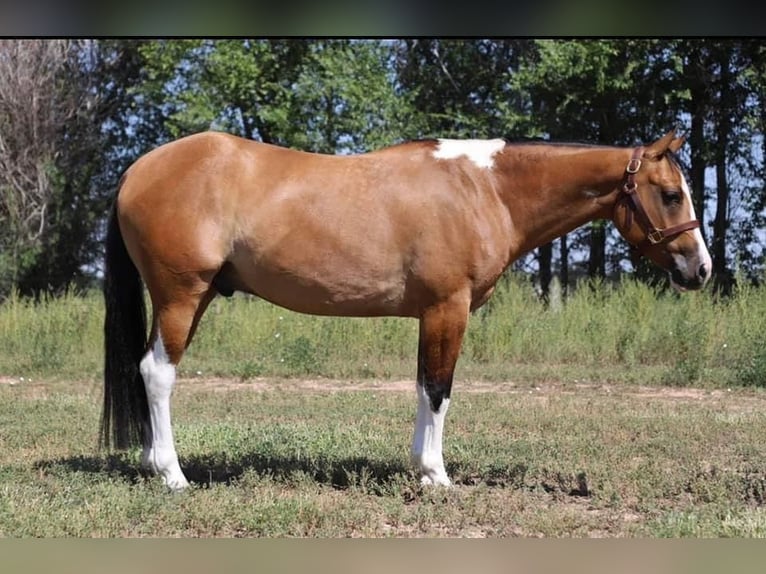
x=300, y=356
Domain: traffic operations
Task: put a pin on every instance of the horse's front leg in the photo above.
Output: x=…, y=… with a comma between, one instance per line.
x=441, y=335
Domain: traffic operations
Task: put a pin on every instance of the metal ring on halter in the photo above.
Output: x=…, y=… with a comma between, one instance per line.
x=633, y=165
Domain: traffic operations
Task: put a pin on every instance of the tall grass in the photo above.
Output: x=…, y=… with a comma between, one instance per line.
x=53, y=336
x=627, y=332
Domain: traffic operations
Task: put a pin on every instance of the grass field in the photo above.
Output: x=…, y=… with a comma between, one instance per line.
x=625, y=412
x=307, y=458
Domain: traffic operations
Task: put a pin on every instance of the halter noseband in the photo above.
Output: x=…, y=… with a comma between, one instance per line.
x=629, y=195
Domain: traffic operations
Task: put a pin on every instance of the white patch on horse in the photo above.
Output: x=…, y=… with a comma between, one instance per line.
x=480, y=152
x=702, y=252
x=426, y=453
x=160, y=456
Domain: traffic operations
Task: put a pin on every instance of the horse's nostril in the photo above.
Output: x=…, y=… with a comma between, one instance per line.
x=702, y=271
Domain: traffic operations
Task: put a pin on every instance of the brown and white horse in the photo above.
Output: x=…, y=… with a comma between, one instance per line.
x=422, y=229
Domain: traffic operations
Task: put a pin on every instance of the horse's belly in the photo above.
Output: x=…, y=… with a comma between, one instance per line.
x=319, y=298
x=326, y=290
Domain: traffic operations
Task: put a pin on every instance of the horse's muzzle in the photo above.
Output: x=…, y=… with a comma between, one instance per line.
x=683, y=281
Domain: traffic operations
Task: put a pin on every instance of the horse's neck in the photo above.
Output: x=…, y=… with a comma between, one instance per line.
x=551, y=190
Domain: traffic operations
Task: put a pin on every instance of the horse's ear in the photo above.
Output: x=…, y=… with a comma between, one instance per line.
x=676, y=144
x=665, y=143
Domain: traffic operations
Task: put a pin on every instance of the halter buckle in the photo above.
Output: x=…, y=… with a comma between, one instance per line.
x=655, y=236
x=633, y=165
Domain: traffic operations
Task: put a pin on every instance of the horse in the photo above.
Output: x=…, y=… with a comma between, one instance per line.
x=421, y=229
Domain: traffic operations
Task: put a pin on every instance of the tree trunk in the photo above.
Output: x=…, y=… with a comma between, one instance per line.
x=564, y=265
x=698, y=108
x=721, y=274
x=545, y=258
x=596, y=260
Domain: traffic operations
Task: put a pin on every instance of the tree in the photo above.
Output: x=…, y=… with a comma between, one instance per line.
x=31, y=113
x=462, y=88
x=723, y=78
x=316, y=95
x=345, y=98
x=55, y=96
x=749, y=241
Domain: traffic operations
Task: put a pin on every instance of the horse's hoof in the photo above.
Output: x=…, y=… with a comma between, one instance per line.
x=435, y=480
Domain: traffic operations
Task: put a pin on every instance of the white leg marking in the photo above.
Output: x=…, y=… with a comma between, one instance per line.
x=426, y=451
x=159, y=455
x=480, y=152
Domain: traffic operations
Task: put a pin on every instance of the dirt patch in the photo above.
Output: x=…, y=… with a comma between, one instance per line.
x=11, y=381
x=736, y=400
x=741, y=400
x=295, y=385
x=338, y=385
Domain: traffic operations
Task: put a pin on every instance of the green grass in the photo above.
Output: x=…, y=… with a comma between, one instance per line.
x=629, y=332
x=282, y=459
x=624, y=412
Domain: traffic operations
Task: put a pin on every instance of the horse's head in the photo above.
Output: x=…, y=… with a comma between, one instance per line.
x=655, y=214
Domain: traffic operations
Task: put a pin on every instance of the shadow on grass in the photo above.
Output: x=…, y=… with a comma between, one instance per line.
x=374, y=476
x=118, y=465
x=207, y=470
x=338, y=473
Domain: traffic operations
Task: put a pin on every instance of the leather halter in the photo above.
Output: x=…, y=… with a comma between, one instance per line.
x=629, y=195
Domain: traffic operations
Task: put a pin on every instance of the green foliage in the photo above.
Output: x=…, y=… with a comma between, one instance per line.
x=349, y=95
x=463, y=88
x=300, y=356
x=320, y=95
x=745, y=346
x=625, y=332
x=53, y=336
x=610, y=91
x=345, y=99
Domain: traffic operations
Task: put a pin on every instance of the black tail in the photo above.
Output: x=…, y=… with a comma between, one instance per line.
x=126, y=410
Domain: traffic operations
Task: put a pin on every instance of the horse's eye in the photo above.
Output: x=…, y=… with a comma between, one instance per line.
x=671, y=197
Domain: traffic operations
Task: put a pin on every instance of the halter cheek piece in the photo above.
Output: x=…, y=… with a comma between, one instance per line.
x=629, y=196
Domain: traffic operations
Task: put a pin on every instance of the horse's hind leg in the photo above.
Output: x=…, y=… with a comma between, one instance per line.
x=441, y=334
x=174, y=323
